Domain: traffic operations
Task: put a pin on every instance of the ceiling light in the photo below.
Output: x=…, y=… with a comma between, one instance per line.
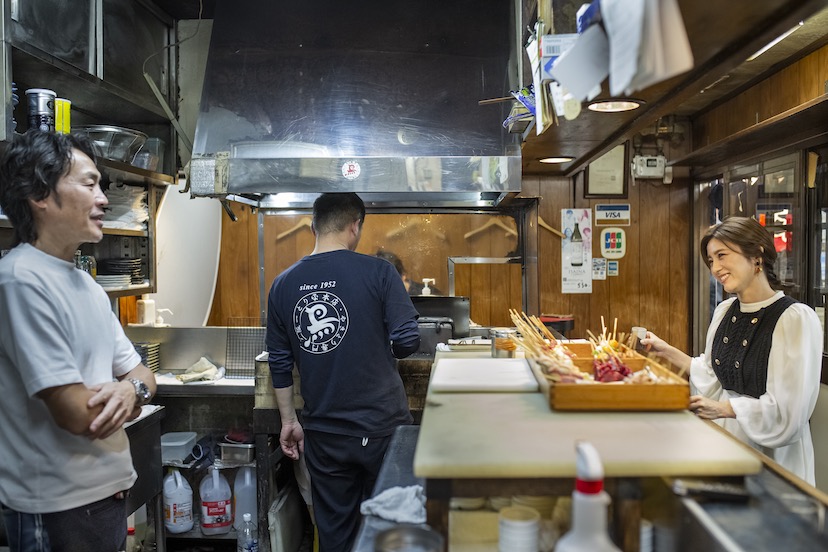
x=556, y=160
x=615, y=106
x=775, y=41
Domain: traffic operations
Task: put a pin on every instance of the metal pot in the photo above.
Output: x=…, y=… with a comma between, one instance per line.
x=408, y=537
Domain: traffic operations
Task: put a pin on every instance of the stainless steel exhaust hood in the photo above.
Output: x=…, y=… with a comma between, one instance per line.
x=379, y=98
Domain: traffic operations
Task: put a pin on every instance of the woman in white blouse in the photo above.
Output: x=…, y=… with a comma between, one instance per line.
x=760, y=372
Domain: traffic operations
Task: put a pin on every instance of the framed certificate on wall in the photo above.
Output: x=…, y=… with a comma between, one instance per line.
x=607, y=176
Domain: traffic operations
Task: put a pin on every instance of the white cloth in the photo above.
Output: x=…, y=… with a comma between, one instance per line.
x=777, y=423
x=201, y=370
x=399, y=504
x=56, y=328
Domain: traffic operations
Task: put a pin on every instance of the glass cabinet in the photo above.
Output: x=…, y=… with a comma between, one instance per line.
x=772, y=192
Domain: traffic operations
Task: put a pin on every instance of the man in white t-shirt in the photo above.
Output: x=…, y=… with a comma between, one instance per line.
x=69, y=375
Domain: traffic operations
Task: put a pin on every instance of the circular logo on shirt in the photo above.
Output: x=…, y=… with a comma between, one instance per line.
x=320, y=321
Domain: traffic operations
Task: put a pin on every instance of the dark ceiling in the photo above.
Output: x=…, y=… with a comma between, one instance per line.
x=721, y=39
x=187, y=9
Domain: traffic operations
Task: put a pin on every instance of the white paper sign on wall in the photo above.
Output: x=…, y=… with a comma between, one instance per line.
x=613, y=243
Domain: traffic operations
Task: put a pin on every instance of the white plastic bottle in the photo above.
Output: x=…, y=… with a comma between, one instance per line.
x=589, y=506
x=426, y=290
x=146, y=310
x=247, y=539
x=244, y=496
x=178, y=503
x=216, y=503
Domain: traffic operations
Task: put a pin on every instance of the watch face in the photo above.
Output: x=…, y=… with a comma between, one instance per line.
x=141, y=390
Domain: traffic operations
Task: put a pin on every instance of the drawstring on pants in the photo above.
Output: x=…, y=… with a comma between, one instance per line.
x=365, y=441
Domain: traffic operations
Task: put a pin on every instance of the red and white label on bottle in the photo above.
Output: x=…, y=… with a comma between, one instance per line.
x=217, y=514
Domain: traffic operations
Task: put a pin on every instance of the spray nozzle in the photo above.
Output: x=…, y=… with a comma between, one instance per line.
x=589, y=469
x=159, y=320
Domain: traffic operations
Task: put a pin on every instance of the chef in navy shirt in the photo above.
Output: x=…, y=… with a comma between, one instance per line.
x=342, y=318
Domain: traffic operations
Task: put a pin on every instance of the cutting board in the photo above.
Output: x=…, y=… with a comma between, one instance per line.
x=476, y=375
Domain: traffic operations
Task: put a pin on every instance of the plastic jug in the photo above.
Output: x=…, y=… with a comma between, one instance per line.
x=244, y=496
x=178, y=503
x=216, y=503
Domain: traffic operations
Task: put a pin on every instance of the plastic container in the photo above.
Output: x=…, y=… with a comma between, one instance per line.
x=177, y=445
x=589, y=506
x=216, y=503
x=178, y=503
x=244, y=496
x=247, y=539
x=426, y=290
x=41, y=108
x=146, y=310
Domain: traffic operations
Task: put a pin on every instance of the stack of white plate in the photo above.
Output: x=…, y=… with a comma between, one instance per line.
x=149, y=352
x=473, y=503
x=497, y=503
x=113, y=281
x=518, y=529
x=545, y=505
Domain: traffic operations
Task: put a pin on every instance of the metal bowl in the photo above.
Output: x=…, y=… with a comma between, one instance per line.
x=119, y=144
x=405, y=538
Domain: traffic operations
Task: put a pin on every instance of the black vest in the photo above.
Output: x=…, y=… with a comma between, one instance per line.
x=742, y=346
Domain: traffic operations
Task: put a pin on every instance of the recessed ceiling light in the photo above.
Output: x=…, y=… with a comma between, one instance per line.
x=615, y=106
x=556, y=160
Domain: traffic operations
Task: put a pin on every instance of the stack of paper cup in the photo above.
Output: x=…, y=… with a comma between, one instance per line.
x=518, y=529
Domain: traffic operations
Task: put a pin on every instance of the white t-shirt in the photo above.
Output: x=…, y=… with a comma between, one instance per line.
x=56, y=328
x=777, y=423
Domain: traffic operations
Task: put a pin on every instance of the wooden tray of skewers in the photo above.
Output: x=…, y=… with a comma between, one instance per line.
x=599, y=374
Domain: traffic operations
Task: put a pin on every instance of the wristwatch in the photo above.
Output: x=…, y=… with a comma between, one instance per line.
x=142, y=392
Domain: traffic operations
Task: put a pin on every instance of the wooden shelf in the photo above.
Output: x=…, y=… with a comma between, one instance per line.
x=124, y=172
x=802, y=123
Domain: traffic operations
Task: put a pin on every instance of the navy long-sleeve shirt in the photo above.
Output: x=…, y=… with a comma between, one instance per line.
x=342, y=317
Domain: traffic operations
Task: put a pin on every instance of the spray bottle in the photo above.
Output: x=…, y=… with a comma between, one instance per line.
x=426, y=290
x=589, y=506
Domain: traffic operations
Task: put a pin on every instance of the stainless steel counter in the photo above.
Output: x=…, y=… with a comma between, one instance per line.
x=145, y=447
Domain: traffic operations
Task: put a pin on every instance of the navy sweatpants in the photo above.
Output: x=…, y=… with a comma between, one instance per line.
x=343, y=471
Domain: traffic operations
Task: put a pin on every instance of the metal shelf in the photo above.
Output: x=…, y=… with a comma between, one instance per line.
x=89, y=94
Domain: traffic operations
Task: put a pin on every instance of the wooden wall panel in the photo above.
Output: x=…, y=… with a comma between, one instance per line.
x=493, y=289
x=652, y=288
x=681, y=263
x=237, y=284
x=792, y=86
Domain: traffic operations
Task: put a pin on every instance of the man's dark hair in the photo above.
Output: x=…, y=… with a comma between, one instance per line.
x=393, y=259
x=30, y=169
x=333, y=212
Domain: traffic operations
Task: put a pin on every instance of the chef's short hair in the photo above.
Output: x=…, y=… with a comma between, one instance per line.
x=335, y=211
